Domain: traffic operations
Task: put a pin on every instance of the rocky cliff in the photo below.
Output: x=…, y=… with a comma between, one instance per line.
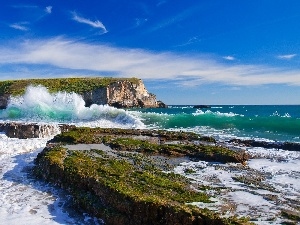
x=121, y=92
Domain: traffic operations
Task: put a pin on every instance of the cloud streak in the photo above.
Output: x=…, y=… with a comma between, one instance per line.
x=174, y=19
x=95, y=24
x=230, y=58
x=77, y=57
x=287, y=56
x=19, y=26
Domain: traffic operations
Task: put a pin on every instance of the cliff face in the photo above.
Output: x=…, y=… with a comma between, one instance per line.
x=123, y=94
x=120, y=93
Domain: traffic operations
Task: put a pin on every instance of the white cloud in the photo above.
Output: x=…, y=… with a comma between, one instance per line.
x=20, y=26
x=287, y=56
x=80, y=57
x=95, y=24
x=48, y=9
x=230, y=58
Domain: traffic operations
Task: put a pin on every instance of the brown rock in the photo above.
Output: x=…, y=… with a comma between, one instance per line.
x=123, y=94
x=32, y=130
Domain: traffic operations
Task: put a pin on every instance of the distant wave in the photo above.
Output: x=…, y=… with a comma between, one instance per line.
x=180, y=106
x=269, y=127
x=200, y=112
x=280, y=115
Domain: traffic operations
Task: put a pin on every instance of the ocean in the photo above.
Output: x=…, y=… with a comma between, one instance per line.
x=24, y=200
x=268, y=122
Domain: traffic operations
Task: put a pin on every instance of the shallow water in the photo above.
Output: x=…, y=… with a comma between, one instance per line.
x=267, y=185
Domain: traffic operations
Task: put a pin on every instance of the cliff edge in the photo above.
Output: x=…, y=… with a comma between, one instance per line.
x=117, y=92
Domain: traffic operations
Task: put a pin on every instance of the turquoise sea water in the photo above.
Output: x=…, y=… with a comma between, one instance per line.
x=271, y=122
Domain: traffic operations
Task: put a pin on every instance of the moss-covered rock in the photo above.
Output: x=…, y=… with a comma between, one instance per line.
x=115, y=190
x=175, y=144
x=116, y=175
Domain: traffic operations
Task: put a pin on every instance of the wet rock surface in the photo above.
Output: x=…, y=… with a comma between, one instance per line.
x=265, y=189
x=237, y=185
x=32, y=130
x=290, y=146
x=122, y=177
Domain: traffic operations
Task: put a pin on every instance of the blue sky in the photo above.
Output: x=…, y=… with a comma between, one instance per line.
x=186, y=52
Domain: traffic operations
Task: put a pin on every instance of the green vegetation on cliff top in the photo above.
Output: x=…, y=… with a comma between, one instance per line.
x=77, y=85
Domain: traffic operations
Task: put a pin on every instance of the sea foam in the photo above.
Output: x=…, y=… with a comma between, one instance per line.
x=25, y=200
x=38, y=105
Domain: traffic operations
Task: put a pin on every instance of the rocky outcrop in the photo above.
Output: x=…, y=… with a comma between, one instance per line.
x=32, y=130
x=123, y=94
x=120, y=93
x=289, y=146
x=201, y=107
x=119, y=176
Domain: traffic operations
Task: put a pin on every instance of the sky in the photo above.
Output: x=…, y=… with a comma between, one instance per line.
x=187, y=52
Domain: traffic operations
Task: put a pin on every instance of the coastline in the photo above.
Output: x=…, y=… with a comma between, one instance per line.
x=143, y=154
x=259, y=184
x=244, y=180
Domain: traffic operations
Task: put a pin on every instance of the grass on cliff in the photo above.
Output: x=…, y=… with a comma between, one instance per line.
x=77, y=85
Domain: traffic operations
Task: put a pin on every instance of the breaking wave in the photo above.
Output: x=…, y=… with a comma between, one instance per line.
x=38, y=105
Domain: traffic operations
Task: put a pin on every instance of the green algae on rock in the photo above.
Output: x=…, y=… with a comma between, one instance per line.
x=177, y=144
x=126, y=185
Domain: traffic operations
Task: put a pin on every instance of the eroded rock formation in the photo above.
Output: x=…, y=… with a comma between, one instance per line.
x=123, y=94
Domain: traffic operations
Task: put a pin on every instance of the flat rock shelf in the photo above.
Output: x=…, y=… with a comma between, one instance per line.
x=125, y=176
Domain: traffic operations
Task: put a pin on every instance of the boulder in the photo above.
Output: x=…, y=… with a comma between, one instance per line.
x=32, y=130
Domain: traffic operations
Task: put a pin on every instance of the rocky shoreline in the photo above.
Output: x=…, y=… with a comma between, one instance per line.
x=122, y=175
x=37, y=130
